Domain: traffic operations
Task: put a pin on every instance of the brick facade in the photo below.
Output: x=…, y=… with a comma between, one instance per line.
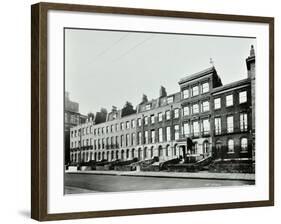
x=160, y=127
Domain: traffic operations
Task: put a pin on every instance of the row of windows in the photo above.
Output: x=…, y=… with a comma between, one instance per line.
x=145, y=154
x=195, y=109
x=169, y=100
x=243, y=123
x=229, y=100
x=194, y=128
x=125, y=154
x=205, y=105
x=160, y=117
x=230, y=145
x=187, y=110
x=195, y=90
x=103, y=130
x=129, y=139
x=109, y=142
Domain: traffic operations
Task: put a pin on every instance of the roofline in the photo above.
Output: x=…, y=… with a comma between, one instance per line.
x=232, y=85
x=197, y=75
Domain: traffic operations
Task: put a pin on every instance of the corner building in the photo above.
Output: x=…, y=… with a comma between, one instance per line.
x=217, y=118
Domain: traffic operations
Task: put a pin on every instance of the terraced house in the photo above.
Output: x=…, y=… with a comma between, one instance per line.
x=204, y=119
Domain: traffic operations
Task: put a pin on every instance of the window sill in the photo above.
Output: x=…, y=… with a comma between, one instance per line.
x=244, y=151
x=205, y=111
x=194, y=96
x=230, y=132
x=230, y=152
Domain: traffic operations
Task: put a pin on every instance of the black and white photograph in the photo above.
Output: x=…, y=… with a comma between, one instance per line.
x=145, y=111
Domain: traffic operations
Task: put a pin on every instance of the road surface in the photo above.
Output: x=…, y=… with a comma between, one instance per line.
x=85, y=183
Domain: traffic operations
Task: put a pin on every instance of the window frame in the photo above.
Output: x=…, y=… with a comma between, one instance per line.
x=243, y=150
x=203, y=87
x=160, y=114
x=245, y=98
x=230, y=129
x=243, y=127
x=218, y=129
x=206, y=132
x=195, y=134
x=203, y=107
x=168, y=99
x=226, y=101
x=152, y=119
x=215, y=104
x=192, y=90
x=230, y=151
x=185, y=96
x=178, y=113
x=195, y=104
x=168, y=117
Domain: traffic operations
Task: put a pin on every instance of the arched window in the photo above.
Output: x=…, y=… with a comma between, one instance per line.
x=195, y=147
x=82, y=157
x=230, y=145
x=133, y=153
x=175, y=149
x=244, y=144
x=167, y=150
x=139, y=153
x=107, y=155
x=91, y=156
x=103, y=155
x=71, y=157
x=127, y=154
x=151, y=152
x=144, y=152
x=218, y=145
x=205, y=147
x=160, y=151
x=122, y=140
x=107, y=143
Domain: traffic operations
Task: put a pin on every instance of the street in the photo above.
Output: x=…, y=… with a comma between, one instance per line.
x=85, y=183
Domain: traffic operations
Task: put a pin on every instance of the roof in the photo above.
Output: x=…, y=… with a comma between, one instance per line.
x=198, y=75
x=232, y=85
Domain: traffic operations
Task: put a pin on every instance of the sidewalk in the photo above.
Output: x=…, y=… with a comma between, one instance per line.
x=197, y=175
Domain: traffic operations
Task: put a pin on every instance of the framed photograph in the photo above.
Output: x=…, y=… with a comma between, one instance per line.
x=142, y=111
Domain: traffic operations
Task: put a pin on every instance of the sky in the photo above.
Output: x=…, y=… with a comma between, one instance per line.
x=106, y=68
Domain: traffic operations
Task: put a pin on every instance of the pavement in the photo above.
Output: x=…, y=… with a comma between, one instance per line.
x=76, y=190
x=186, y=175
